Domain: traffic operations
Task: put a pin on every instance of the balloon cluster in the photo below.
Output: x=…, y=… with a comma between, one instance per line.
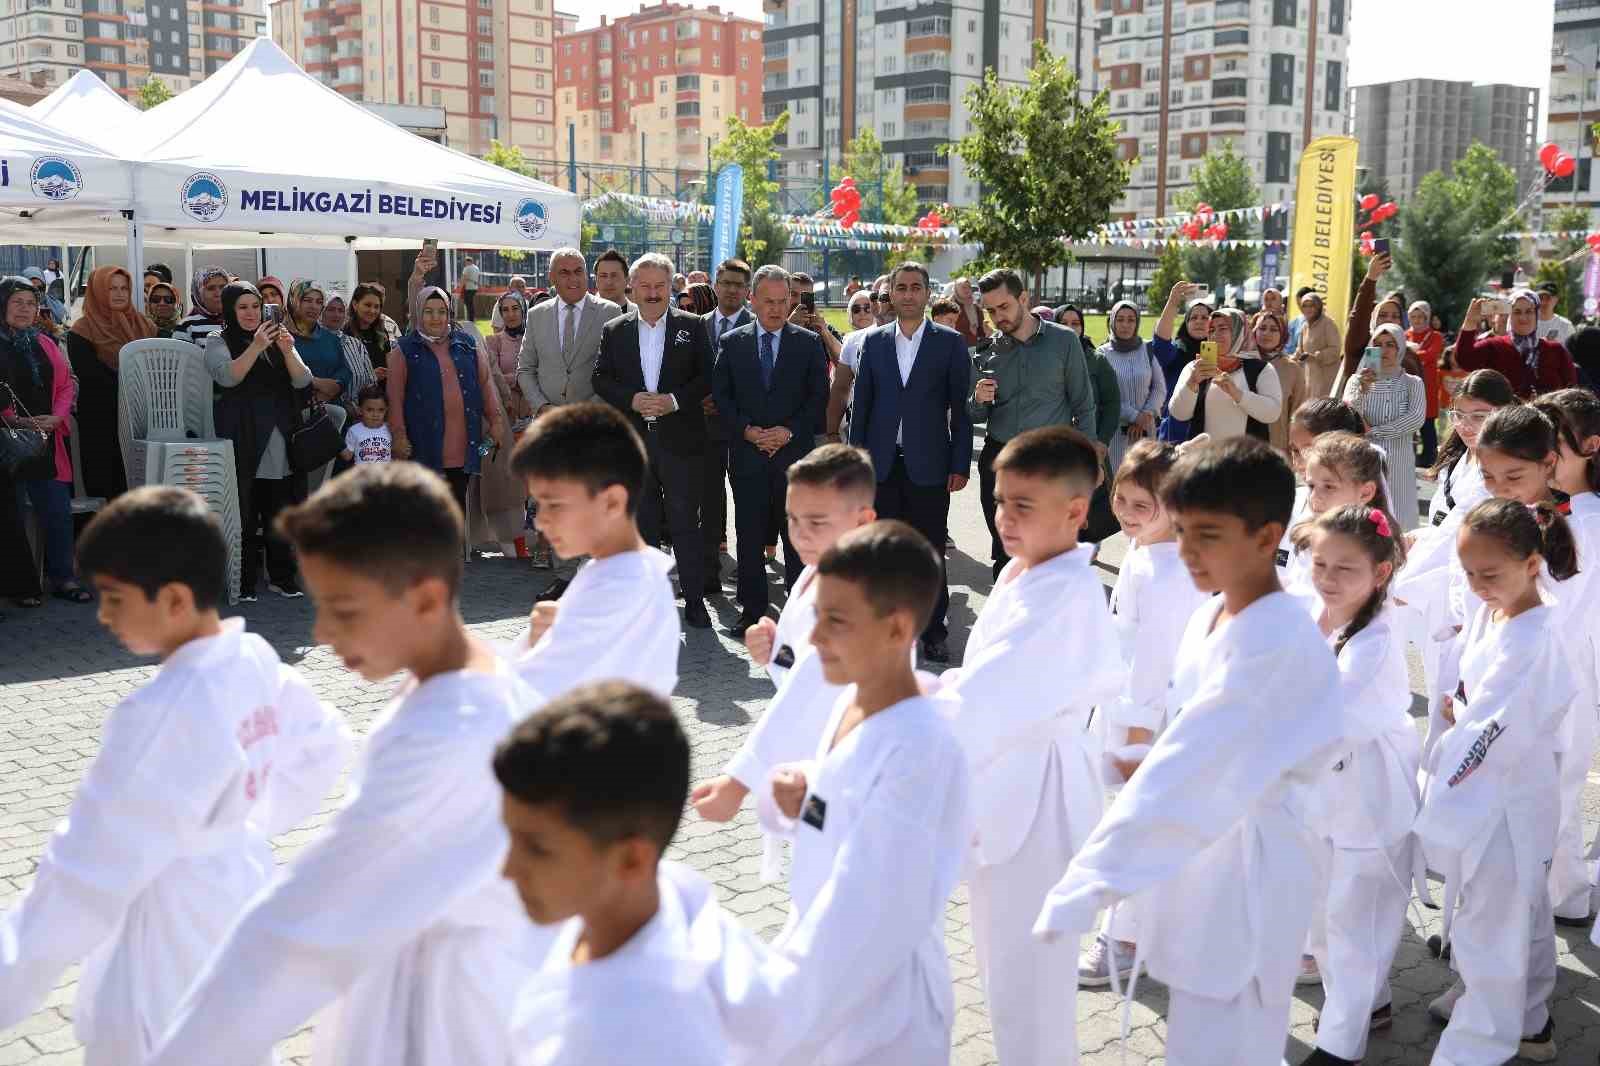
x=1377, y=214
x=1204, y=225
x=1556, y=163
x=931, y=220
x=846, y=200
x=1593, y=240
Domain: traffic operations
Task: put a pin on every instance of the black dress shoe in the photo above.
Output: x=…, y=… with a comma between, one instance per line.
x=695, y=615
x=714, y=586
x=744, y=622
x=553, y=591
x=936, y=651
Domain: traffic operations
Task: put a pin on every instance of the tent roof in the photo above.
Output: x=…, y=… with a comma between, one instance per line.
x=355, y=175
x=86, y=106
x=48, y=172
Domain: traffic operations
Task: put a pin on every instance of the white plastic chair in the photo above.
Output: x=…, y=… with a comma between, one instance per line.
x=206, y=468
x=82, y=502
x=164, y=394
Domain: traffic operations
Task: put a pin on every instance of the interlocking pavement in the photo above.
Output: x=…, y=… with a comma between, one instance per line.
x=60, y=674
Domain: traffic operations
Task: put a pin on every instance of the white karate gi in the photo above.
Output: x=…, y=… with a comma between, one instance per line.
x=1036, y=664
x=659, y=999
x=863, y=975
x=1577, y=610
x=1429, y=615
x=397, y=914
x=1219, y=828
x=167, y=839
x=1491, y=804
x=1294, y=570
x=617, y=622
x=1371, y=800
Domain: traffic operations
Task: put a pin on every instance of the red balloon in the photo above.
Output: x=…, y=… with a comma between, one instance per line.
x=850, y=219
x=1547, y=155
x=848, y=180
x=1594, y=242
x=934, y=220
x=1564, y=166
x=1369, y=201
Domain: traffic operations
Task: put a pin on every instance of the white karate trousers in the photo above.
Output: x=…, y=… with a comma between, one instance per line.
x=1502, y=943
x=1030, y=986
x=1242, y=1031
x=1570, y=889
x=1354, y=935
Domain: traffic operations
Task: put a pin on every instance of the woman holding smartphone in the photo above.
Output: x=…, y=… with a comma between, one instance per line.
x=1532, y=365
x=1394, y=405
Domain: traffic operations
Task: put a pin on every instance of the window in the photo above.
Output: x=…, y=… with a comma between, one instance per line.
x=605, y=142
x=889, y=130
x=923, y=94
x=1284, y=12
x=688, y=83
x=1230, y=117
x=661, y=112
x=663, y=88
x=1224, y=37
x=433, y=71
x=1334, y=97
x=928, y=27
x=688, y=109
x=566, y=48
x=1335, y=16
x=485, y=50
x=486, y=25
x=605, y=93
x=662, y=35
x=1278, y=157
x=1229, y=87
x=605, y=46
x=72, y=51
x=437, y=99
x=744, y=62
x=485, y=79
x=1281, y=88
x=486, y=104
x=433, y=14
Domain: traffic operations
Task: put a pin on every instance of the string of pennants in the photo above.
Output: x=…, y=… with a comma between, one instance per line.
x=660, y=209
x=1130, y=226
x=1162, y=242
x=854, y=244
x=656, y=208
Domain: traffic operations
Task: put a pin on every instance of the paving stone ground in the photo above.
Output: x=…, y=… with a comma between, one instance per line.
x=60, y=674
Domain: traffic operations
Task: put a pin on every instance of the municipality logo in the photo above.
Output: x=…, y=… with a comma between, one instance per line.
x=531, y=220
x=204, y=197
x=55, y=178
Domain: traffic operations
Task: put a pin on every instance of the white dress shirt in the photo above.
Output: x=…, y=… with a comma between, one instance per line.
x=721, y=324
x=652, y=352
x=567, y=327
x=905, y=353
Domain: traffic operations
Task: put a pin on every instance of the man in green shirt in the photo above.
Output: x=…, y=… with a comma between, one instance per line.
x=1032, y=373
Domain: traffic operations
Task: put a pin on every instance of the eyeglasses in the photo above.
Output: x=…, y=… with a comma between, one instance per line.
x=160, y=300
x=880, y=297
x=858, y=309
x=1469, y=418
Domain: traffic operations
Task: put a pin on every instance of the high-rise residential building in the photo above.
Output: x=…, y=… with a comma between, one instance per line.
x=902, y=68
x=1573, y=100
x=1411, y=128
x=656, y=88
x=1186, y=75
x=125, y=41
x=488, y=63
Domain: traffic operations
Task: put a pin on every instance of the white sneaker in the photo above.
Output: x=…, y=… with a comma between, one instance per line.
x=1094, y=965
x=1309, y=974
x=1442, y=1007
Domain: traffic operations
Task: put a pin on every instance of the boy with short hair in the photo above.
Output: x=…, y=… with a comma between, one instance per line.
x=879, y=824
x=1037, y=782
x=396, y=915
x=585, y=467
x=168, y=836
x=830, y=493
x=368, y=441
x=1217, y=827
x=594, y=785
x=945, y=312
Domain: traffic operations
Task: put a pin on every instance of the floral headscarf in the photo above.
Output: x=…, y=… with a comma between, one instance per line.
x=424, y=294
x=297, y=292
x=1527, y=344
x=201, y=276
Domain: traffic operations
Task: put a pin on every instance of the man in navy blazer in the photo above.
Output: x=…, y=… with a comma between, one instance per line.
x=770, y=386
x=910, y=413
x=733, y=291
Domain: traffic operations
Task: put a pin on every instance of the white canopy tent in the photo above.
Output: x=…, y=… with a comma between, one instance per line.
x=86, y=106
x=45, y=173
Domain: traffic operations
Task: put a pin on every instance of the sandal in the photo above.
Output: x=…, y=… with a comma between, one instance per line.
x=73, y=593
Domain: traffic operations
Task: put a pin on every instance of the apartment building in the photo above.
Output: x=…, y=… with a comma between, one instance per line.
x=1408, y=129
x=656, y=88
x=1186, y=75
x=488, y=63
x=1573, y=100
x=125, y=41
x=902, y=69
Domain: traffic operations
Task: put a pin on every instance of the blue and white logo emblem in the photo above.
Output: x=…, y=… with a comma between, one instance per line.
x=531, y=220
x=204, y=197
x=55, y=178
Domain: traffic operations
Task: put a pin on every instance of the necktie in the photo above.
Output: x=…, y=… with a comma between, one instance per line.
x=572, y=322
x=769, y=360
x=722, y=327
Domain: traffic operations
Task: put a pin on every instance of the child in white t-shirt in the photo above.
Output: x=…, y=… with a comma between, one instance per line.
x=368, y=441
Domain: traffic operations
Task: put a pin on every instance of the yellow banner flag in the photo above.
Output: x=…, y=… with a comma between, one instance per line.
x=1324, y=223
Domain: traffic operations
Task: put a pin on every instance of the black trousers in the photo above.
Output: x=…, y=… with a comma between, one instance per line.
x=997, y=552
x=758, y=505
x=926, y=508
x=680, y=479
x=268, y=496
x=714, y=505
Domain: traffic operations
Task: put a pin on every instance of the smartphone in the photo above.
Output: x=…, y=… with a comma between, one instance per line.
x=808, y=300
x=1380, y=246
x=1208, y=352
x=1371, y=359
x=430, y=244
x=272, y=313
x=1496, y=307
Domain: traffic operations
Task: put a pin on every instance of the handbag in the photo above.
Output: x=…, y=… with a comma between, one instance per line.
x=21, y=445
x=315, y=441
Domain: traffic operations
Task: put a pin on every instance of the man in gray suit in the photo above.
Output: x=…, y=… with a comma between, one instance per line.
x=731, y=312
x=556, y=363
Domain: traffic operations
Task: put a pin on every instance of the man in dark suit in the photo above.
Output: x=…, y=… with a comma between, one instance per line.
x=910, y=413
x=655, y=366
x=733, y=290
x=770, y=386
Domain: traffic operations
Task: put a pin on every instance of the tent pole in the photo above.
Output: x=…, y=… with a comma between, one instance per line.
x=188, y=267
x=136, y=259
x=352, y=269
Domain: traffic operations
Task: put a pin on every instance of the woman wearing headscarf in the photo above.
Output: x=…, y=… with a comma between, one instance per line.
x=503, y=346
x=1236, y=396
x=318, y=347
x=1269, y=331
x=38, y=393
x=271, y=290
x=1319, y=349
x=334, y=318
x=94, y=346
x=1141, y=383
x=204, y=319
x=1176, y=354
x=47, y=302
x=1427, y=346
x=1394, y=404
x=1532, y=364
x=376, y=331
x=702, y=298
x=441, y=391
x=499, y=498
x=163, y=308
x=1102, y=376
x=263, y=383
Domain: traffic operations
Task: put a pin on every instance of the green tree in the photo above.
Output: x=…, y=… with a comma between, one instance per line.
x=1564, y=265
x=1223, y=181
x=1169, y=271
x=154, y=91
x=1486, y=190
x=762, y=238
x=885, y=197
x=510, y=157
x=1046, y=164
x=1442, y=256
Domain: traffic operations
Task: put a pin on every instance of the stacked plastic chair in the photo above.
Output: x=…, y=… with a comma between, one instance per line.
x=164, y=394
x=206, y=468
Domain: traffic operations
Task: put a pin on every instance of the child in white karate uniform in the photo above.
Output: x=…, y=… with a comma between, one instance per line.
x=168, y=835
x=830, y=493
x=1310, y=420
x=1037, y=781
x=1151, y=606
x=1492, y=796
x=1342, y=470
x=643, y=957
x=1371, y=790
x=880, y=828
x=396, y=916
x=1218, y=826
x=585, y=468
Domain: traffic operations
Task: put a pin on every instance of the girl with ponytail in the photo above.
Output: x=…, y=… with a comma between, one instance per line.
x=1342, y=470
